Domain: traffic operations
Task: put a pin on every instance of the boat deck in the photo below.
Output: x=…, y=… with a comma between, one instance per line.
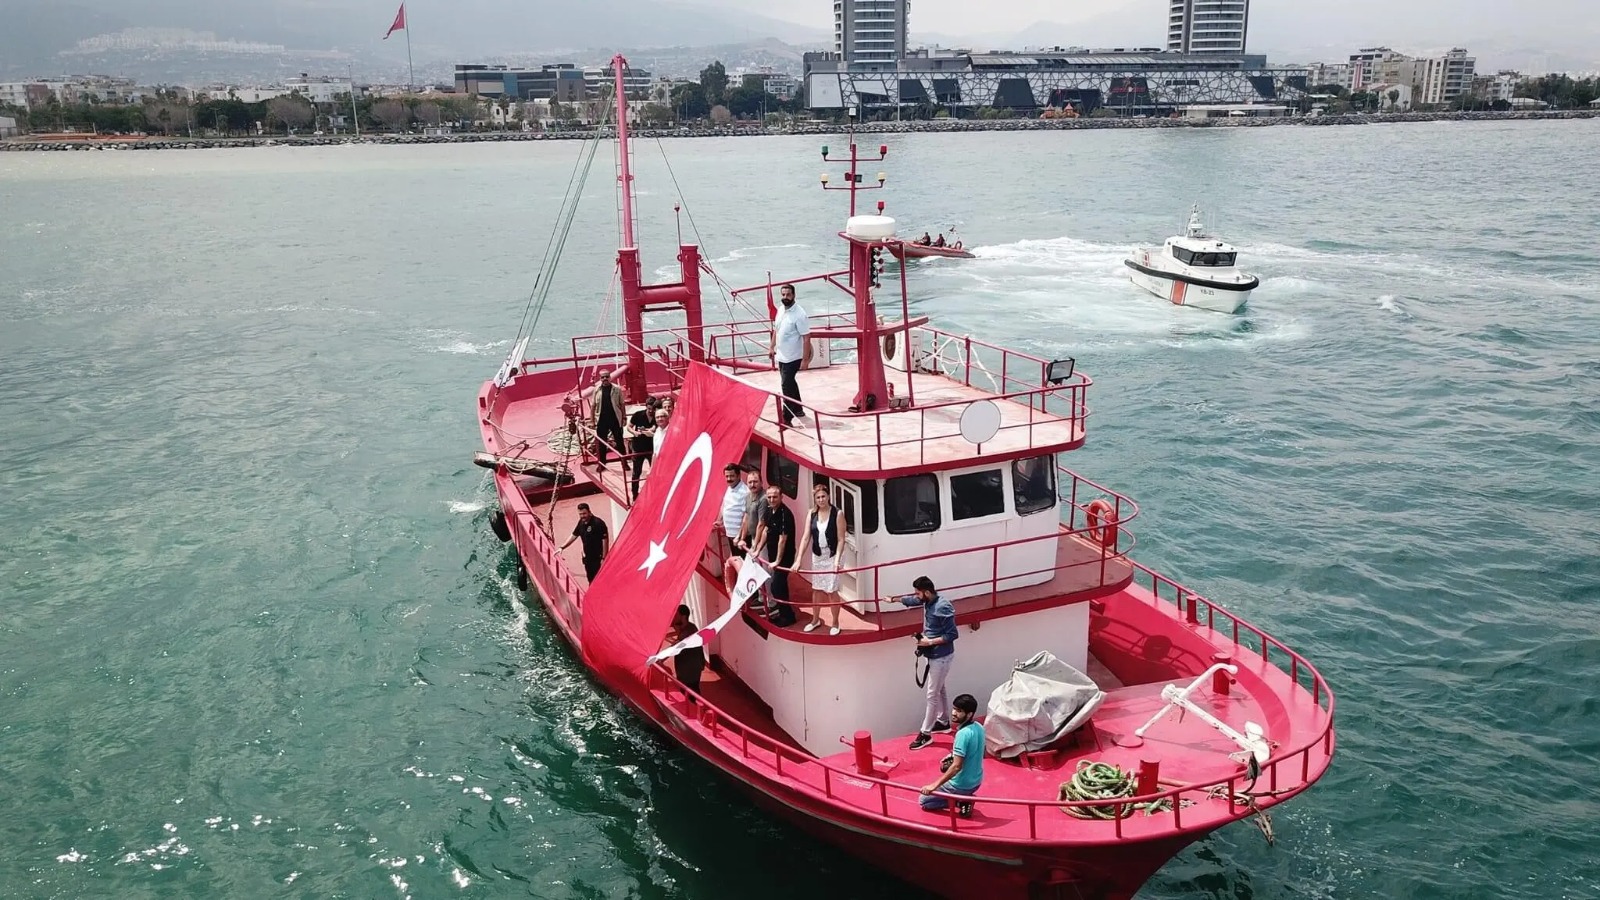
x=833, y=439
x=1189, y=751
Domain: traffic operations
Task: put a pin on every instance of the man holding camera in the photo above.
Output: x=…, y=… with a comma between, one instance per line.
x=936, y=642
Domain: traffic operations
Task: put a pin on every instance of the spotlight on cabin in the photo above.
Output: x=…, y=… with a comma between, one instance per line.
x=1060, y=370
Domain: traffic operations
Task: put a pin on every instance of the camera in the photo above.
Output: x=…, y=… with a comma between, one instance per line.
x=918, y=648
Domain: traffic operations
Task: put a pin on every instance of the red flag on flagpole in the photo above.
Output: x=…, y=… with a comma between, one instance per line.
x=772, y=308
x=399, y=22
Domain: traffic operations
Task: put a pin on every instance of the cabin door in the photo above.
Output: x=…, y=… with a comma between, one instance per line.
x=852, y=585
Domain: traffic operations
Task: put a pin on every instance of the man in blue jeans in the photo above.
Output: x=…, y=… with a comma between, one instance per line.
x=964, y=775
x=937, y=644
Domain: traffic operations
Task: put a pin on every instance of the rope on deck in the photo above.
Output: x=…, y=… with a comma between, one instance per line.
x=1104, y=781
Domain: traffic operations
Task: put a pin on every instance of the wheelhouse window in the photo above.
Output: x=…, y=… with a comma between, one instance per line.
x=911, y=504
x=1183, y=256
x=867, y=522
x=1033, y=484
x=1213, y=259
x=752, y=457
x=785, y=473
x=977, y=494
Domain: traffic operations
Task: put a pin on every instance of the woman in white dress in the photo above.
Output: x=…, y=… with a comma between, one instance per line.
x=824, y=530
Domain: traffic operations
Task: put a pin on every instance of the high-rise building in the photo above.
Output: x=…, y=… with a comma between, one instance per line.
x=1207, y=26
x=868, y=33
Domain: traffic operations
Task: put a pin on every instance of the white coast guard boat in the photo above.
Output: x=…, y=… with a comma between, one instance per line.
x=1194, y=269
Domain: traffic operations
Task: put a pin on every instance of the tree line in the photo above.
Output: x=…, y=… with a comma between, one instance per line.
x=713, y=98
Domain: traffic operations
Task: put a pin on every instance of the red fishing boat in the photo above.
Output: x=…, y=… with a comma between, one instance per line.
x=943, y=454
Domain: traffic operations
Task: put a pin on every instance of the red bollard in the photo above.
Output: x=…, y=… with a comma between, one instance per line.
x=863, y=748
x=1220, y=678
x=1149, y=777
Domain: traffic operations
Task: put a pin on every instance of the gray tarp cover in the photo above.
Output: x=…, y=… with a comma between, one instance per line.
x=1044, y=700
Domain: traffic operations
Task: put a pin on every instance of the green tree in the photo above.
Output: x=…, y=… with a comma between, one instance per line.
x=748, y=100
x=655, y=115
x=689, y=100
x=291, y=111
x=714, y=80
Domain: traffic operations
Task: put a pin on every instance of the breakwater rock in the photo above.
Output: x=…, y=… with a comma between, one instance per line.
x=935, y=126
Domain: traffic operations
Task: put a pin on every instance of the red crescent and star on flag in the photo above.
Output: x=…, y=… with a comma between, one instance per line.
x=699, y=452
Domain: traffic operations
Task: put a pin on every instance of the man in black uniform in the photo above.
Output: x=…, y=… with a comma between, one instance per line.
x=596, y=540
x=775, y=535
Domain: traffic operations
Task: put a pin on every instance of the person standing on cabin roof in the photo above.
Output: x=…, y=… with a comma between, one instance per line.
x=963, y=768
x=936, y=643
x=606, y=412
x=791, y=350
x=775, y=535
x=596, y=540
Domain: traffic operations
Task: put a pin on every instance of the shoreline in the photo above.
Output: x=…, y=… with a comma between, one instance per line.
x=24, y=143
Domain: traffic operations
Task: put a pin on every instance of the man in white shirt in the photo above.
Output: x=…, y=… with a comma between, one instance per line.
x=660, y=437
x=791, y=350
x=733, y=504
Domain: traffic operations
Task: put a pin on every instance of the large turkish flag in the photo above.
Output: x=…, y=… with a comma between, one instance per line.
x=628, y=608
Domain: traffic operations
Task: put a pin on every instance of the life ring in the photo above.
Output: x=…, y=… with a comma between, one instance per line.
x=1098, y=512
x=888, y=347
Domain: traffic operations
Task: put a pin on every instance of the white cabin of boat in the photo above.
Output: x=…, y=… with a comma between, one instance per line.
x=982, y=520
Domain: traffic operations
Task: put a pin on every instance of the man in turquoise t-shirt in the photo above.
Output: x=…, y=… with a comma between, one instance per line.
x=965, y=773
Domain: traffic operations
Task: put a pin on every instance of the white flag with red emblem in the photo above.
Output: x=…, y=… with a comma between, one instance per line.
x=631, y=602
x=752, y=575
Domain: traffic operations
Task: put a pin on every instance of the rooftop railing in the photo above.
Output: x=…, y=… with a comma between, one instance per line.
x=831, y=438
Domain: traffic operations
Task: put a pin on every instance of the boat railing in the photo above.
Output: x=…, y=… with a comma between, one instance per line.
x=1109, y=540
x=531, y=536
x=1286, y=770
x=1007, y=374
x=1199, y=612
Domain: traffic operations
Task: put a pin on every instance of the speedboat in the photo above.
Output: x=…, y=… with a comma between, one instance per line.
x=1194, y=269
x=914, y=250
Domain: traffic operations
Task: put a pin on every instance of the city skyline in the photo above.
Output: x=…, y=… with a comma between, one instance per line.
x=1276, y=26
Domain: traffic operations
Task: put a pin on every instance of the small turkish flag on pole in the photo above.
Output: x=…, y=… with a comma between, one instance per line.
x=399, y=22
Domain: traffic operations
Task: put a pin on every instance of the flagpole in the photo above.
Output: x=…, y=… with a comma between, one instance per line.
x=411, y=73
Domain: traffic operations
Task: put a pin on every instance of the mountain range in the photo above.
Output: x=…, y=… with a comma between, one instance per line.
x=324, y=35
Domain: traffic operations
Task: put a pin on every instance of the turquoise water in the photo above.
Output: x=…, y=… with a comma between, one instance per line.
x=258, y=641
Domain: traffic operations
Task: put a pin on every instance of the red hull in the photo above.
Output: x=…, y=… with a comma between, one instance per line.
x=943, y=862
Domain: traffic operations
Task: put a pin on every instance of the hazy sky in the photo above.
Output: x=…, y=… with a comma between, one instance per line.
x=1279, y=22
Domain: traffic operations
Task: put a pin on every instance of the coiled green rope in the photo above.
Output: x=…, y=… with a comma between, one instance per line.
x=1104, y=781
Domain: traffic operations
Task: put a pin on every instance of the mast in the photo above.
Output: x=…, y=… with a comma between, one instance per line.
x=637, y=297
x=866, y=263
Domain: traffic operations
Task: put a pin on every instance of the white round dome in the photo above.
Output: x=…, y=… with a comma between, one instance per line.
x=870, y=228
